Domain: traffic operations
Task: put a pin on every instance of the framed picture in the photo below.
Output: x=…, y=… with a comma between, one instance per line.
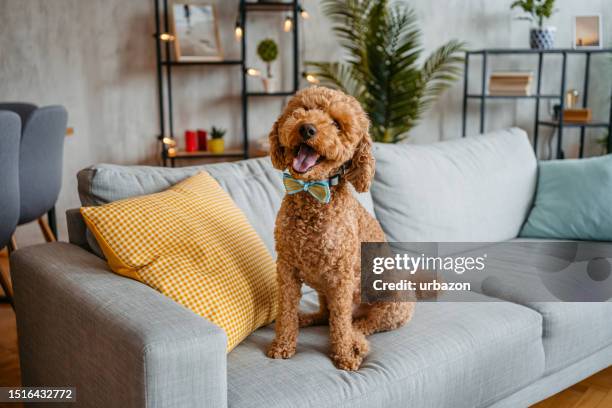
x=587, y=31
x=196, y=32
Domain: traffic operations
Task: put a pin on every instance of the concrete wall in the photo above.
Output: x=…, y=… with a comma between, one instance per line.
x=97, y=58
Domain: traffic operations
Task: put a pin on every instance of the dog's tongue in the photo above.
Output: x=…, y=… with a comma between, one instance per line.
x=305, y=159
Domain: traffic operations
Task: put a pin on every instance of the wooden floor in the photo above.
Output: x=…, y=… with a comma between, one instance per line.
x=594, y=392
x=9, y=358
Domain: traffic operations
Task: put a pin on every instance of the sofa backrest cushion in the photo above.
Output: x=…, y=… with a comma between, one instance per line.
x=474, y=189
x=254, y=185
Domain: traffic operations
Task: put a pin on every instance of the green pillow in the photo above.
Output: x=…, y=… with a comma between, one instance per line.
x=573, y=200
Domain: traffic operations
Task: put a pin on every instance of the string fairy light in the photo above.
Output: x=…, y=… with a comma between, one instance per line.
x=238, y=31
x=288, y=24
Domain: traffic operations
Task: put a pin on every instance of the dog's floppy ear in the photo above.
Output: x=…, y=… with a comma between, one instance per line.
x=277, y=152
x=361, y=169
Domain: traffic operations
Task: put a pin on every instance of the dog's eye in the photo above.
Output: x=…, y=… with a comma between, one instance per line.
x=336, y=124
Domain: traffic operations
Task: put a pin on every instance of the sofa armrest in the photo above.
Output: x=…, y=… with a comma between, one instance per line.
x=119, y=342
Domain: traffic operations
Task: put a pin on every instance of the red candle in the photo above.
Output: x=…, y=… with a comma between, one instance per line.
x=191, y=141
x=202, y=139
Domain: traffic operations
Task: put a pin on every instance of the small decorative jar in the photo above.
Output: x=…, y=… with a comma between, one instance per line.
x=191, y=141
x=216, y=145
x=202, y=140
x=542, y=38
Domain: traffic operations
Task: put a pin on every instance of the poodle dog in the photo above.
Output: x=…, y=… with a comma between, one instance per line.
x=322, y=138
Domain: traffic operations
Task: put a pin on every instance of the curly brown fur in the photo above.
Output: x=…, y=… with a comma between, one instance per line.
x=319, y=244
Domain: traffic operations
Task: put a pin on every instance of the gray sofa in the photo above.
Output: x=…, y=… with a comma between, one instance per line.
x=124, y=345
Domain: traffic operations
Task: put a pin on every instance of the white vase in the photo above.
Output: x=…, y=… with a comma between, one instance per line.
x=269, y=84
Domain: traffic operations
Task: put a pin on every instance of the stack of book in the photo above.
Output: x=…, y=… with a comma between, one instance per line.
x=577, y=115
x=510, y=83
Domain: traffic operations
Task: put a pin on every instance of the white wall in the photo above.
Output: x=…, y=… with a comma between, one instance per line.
x=97, y=58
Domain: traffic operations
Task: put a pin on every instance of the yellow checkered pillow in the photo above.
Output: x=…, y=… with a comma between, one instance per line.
x=194, y=245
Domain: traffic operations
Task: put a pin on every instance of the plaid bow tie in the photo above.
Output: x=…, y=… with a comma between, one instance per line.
x=318, y=189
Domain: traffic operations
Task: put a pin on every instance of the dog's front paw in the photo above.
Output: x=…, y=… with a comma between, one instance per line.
x=280, y=350
x=350, y=357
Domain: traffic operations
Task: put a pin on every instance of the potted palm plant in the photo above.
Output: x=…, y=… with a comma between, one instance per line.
x=537, y=11
x=268, y=52
x=216, y=143
x=382, y=69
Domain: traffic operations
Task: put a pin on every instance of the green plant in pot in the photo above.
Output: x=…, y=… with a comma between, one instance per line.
x=216, y=144
x=382, y=69
x=537, y=11
x=267, y=50
x=603, y=143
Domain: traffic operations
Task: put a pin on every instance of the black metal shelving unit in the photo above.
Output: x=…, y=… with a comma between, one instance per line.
x=558, y=123
x=166, y=63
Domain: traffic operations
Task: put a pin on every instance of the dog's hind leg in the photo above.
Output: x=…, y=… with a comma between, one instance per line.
x=384, y=316
x=318, y=318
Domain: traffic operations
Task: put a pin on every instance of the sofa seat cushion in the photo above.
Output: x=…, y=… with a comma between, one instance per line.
x=571, y=330
x=465, y=354
x=255, y=186
x=474, y=189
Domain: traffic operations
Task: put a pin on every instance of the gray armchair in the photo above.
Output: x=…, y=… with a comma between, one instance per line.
x=40, y=162
x=10, y=130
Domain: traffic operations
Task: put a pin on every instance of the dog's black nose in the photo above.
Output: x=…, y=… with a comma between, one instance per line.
x=308, y=131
